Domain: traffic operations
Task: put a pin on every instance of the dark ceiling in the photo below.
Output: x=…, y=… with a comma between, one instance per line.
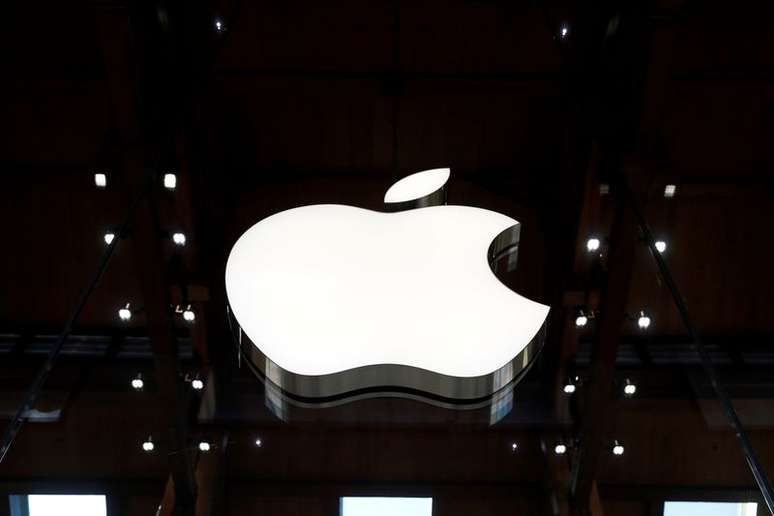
x=306, y=102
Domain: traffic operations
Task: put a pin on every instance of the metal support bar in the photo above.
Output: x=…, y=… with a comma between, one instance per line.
x=37, y=385
x=725, y=401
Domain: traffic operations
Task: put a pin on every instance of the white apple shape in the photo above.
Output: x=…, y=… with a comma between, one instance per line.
x=336, y=299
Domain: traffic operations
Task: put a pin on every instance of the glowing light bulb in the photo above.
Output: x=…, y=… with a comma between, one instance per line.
x=100, y=180
x=125, y=313
x=581, y=321
x=218, y=25
x=643, y=321
x=204, y=446
x=564, y=31
x=514, y=447
x=569, y=388
x=560, y=449
x=189, y=315
x=258, y=442
x=178, y=238
x=109, y=236
x=630, y=389
x=148, y=445
x=670, y=191
x=592, y=244
x=197, y=384
x=170, y=181
x=618, y=449
x=661, y=246
x=137, y=383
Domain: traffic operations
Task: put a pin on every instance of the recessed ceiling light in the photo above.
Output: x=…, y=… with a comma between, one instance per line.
x=100, y=180
x=170, y=181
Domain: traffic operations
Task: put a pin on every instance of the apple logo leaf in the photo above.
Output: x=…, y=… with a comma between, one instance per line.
x=336, y=302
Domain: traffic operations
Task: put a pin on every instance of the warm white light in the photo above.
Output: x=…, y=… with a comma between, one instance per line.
x=125, y=313
x=560, y=449
x=148, y=445
x=564, y=31
x=204, y=446
x=352, y=289
x=197, y=384
x=630, y=389
x=170, y=181
x=618, y=449
x=189, y=315
x=592, y=244
x=670, y=191
x=643, y=321
x=661, y=246
x=581, y=321
x=258, y=442
x=137, y=383
x=109, y=237
x=100, y=180
x=178, y=238
x=569, y=388
x=417, y=185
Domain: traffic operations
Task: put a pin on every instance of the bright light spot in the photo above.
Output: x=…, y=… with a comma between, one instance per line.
x=581, y=321
x=661, y=246
x=125, y=313
x=189, y=315
x=514, y=447
x=137, y=383
x=592, y=244
x=204, y=446
x=148, y=445
x=178, y=238
x=170, y=181
x=100, y=180
x=564, y=31
x=58, y=505
x=385, y=506
x=109, y=237
x=569, y=388
x=258, y=442
x=710, y=508
x=604, y=189
x=197, y=384
x=618, y=449
x=670, y=191
x=560, y=449
x=643, y=321
x=630, y=388
x=218, y=25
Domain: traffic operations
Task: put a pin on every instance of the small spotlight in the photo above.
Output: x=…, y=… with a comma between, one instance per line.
x=514, y=447
x=629, y=388
x=569, y=388
x=197, y=384
x=100, y=180
x=204, y=446
x=560, y=449
x=661, y=246
x=581, y=319
x=670, y=191
x=258, y=442
x=148, y=445
x=618, y=449
x=189, y=315
x=137, y=383
x=219, y=25
x=643, y=321
x=170, y=181
x=592, y=244
x=564, y=31
x=109, y=236
x=179, y=238
x=125, y=313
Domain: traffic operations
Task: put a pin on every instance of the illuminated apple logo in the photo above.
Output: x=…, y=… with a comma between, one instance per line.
x=333, y=302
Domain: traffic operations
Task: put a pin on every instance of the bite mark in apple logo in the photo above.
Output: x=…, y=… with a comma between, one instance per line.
x=334, y=302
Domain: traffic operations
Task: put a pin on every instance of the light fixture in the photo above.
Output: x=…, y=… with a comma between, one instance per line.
x=147, y=445
x=569, y=388
x=204, y=446
x=592, y=244
x=219, y=25
x=604, y=189
x=670, y=191
x=581, y=319
x=258, y=442
x=661, y=246
x=514, y=447
x=125, y=313
x=564, y=31
x=197, y=384
x=137, y=383
x=100, y=180
x=629, y=388
x=618, y=448
x=560, y=449
x=170, y=181
x=189, y=315
x=178, y=238
x=109, y=236
x=643, y=321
